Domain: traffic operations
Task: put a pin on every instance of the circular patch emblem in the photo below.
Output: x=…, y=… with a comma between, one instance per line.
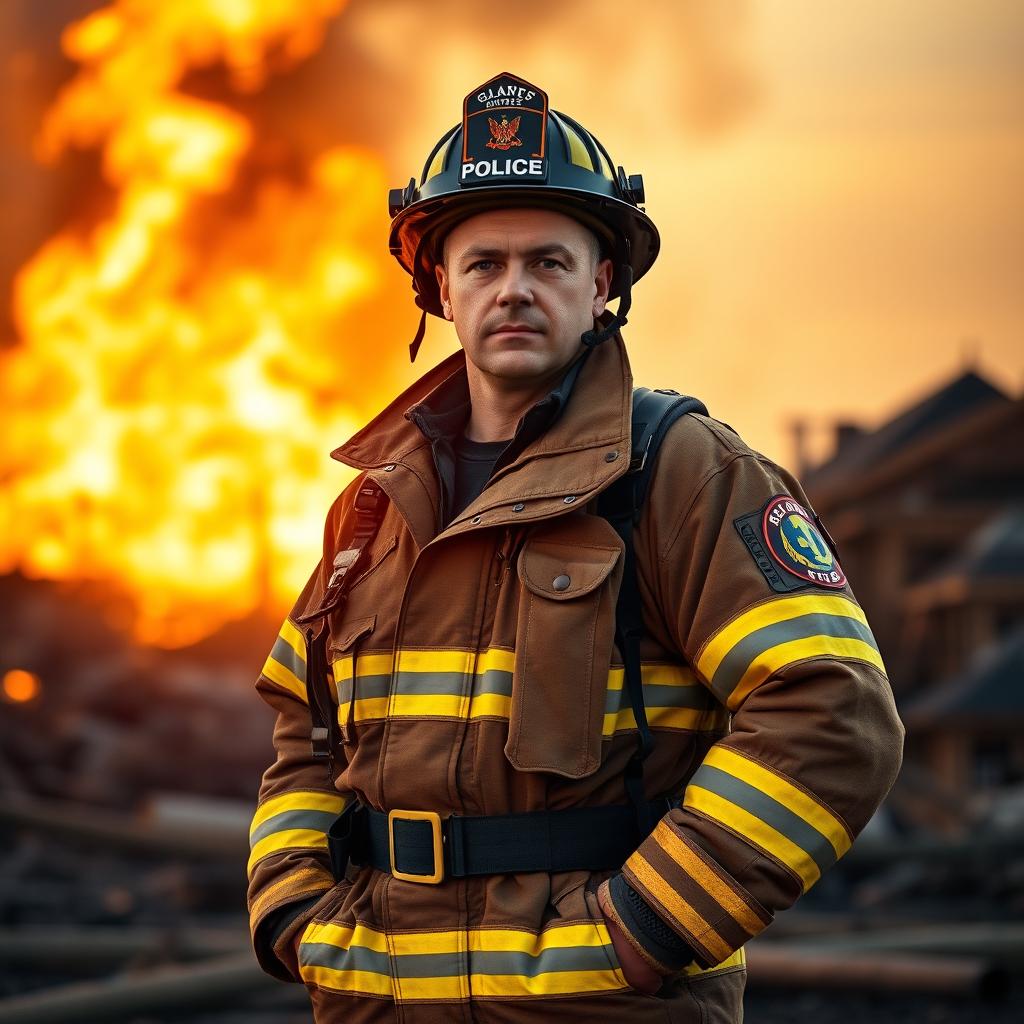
x=797, y=544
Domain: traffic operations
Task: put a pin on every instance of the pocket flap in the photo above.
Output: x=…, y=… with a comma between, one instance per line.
x=349, y=632
x=561, y=571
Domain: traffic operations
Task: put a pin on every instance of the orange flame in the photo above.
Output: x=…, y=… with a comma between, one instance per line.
x=168, y=410
x=19, y=686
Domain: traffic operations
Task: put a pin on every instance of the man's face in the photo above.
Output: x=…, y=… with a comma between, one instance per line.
x=521, y=286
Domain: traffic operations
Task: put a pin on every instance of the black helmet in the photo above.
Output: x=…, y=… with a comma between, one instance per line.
x=511, y=150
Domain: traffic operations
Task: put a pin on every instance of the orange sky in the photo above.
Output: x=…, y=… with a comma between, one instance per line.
x=839, y=188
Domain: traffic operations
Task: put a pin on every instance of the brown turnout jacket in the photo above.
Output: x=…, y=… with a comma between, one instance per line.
x=466, y=683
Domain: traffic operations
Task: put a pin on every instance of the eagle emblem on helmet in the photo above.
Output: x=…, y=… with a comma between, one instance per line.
x=503, y=135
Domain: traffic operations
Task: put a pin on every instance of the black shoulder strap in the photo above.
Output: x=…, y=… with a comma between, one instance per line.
x=369, y=507
x=653, y=413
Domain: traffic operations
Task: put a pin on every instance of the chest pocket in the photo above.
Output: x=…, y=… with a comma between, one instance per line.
x=569, y=575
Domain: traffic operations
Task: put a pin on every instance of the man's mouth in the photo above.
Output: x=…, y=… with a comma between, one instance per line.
x=516, y=329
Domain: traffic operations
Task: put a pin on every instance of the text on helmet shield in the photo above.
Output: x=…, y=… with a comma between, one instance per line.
x=520, y=167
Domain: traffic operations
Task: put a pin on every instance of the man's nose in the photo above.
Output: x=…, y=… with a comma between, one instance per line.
x=514, y=287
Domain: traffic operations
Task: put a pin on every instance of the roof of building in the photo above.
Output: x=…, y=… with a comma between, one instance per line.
x=960, y=398
x=993, y=551
x=991, y=687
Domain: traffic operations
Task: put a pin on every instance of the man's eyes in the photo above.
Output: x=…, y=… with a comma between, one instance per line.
x=548, y=262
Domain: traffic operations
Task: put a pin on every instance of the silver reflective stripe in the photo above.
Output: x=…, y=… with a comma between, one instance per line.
x=769, y=810
x=735, y=664
x=319, y=821
x=284, y=654
x=660, y=695
x=427, y=684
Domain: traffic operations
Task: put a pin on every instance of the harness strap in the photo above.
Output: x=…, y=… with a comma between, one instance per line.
x=369, y=506
x=653, y=413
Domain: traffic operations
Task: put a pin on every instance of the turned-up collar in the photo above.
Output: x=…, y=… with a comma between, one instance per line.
x=445, y=411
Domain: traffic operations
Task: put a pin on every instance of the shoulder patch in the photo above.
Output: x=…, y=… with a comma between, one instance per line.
x=789, y=547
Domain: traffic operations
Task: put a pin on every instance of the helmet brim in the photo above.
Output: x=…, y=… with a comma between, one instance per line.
x=418, y=232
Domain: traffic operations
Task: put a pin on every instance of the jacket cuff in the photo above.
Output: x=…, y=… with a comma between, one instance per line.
x=658, y=944
x=694, y=895
x=281, y=933
x=297, y=887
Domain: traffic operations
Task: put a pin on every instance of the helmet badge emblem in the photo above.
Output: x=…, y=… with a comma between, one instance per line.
x=503, y=135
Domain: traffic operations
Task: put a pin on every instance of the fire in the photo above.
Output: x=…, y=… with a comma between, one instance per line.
x=19, y=686
x=170, y=403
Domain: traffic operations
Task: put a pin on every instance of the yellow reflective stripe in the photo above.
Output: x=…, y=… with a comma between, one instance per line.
x=353, y=935
x=366, y=709
x=293, y=638
x=438, y=660
x=736, y=960
x=694, y=719
x=285, y=678
x=496, y=658
x=577, y=150
x=490, y=705
x=800, y=803
x=451, y=987
x=776, y=658
x=369, y=665
x=350, y=981
x=426, y=705
x=302, y=838
x=755, y=831
x=709, y=880
x=438, y=162
x=549, y=984
x=555, y=937
x=455, y=988
x=676, y=906
x=480, y=940
x=718, y=646
x=297, y=800
x=431, y=705
x=655, y=673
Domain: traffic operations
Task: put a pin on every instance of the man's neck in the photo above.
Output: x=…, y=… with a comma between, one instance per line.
x=497, y=404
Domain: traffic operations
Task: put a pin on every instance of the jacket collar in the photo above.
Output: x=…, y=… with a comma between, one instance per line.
x=560, y=454
x=444, y=412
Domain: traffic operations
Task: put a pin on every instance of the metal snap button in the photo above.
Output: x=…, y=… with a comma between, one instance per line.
x=561, y=582
x=476, y=519
x=611, y=456
x=389, y=467
x=518, y=507
x=569, y=499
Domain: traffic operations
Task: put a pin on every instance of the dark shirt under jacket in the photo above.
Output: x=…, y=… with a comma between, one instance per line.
x=474, y=461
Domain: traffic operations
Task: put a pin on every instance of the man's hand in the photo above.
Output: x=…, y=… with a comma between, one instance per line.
x=636, y=970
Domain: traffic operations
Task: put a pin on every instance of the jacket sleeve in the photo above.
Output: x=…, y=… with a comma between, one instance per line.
x=815, y=741
x=289, y=866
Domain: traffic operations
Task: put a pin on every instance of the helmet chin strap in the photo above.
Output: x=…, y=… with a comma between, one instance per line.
x=594, y=337
x=414, y=345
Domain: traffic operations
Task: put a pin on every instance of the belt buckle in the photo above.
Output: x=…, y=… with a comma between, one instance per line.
x=435, y=828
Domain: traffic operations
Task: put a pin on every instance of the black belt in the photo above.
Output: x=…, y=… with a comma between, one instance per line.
x=421, y=846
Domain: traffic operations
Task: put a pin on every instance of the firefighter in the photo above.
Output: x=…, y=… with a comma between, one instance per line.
x=491, y=801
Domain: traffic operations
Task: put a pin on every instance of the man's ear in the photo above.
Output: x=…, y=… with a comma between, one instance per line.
x=602, y=284
x=442, y=283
